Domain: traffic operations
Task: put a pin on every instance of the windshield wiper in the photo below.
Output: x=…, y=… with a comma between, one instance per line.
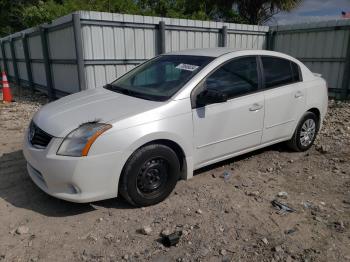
x=123, y=91
x=133, y=93
x=117, y=89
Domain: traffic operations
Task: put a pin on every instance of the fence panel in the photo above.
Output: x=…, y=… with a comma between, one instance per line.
x=323, y=47
x=115, y=43
x=85, y=50
x=45, y=57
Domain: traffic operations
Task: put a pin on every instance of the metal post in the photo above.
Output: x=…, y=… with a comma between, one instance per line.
x=4, y=57
x=346, y=75
x=162, y=37
x=49, y=83
x=14, y=62
x=224, y=36
x=79, y=51
x=270, y=40
x=27, y=60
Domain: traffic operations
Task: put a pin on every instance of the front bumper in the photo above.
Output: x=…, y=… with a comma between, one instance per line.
x=75, y=179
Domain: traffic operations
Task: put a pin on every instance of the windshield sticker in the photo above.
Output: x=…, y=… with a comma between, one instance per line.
x=187, y=67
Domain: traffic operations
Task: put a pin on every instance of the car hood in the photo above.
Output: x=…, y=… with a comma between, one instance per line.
x=66, y=114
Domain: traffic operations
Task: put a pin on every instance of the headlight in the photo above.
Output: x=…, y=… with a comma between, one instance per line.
x=79, y=141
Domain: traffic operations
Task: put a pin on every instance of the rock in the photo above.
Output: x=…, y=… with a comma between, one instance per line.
x=339, y=226
x=165, y=232
x=22, y=230
x=204, y=251
x=146, y=230
x=264, y=240
x=317, y=218
x=278, y=249
x=289, y=259
x=282, y=194
x=253, y=193
x=126, y=257
x=270, y=169
x=223, y=252
x=323, y=149
x=91, y=237
x=109, y=236
x=199, y=211
x=290, y=231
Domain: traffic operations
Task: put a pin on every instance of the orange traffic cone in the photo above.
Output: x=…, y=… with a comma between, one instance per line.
x=6, y=91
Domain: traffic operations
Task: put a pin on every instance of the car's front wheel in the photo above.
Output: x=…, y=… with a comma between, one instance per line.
x=150, y=175
x=305, y=133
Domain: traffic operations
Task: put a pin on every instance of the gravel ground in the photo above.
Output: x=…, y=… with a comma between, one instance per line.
x=222, y=218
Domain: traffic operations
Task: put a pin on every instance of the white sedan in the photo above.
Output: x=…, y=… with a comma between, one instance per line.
x=169, y=116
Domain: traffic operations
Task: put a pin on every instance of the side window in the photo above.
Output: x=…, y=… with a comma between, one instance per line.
x=235, y=78
x=277, y=71
x=296, y=72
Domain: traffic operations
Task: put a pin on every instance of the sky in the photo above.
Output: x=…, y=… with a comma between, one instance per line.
x=313, y=11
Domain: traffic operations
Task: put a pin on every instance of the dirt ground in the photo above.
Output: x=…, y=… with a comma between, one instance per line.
x=229, y=219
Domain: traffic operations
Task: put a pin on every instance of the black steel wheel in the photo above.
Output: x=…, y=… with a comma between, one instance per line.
x=149, y=175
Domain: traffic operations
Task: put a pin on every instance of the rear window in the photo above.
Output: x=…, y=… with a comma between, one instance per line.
x=278, y=72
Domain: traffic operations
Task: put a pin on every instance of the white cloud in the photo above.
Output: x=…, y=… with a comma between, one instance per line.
x=313, y=11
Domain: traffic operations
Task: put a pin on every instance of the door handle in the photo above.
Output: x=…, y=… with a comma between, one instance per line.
x=255, y=107
x=298, y=94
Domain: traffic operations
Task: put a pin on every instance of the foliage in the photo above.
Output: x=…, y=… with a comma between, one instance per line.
x=16, y=15
x=49, y=10
x=259, y=12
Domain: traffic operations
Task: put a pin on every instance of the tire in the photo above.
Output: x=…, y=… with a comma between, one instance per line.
x=150, y=175
x=302, y=142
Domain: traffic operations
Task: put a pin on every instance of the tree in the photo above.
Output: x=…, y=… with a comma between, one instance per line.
x=199, y=9
x=46, y=11
x=16, y=15
x=10, y=13
x=260, y=11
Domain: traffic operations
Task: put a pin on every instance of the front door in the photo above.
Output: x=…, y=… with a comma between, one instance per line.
x=222, y=129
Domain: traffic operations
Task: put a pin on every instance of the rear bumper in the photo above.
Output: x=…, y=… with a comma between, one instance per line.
x=75, y=179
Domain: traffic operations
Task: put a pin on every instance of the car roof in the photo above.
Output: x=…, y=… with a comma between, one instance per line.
x=219, y=51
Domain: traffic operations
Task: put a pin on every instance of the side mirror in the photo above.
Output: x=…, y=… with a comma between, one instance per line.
x=210, y=96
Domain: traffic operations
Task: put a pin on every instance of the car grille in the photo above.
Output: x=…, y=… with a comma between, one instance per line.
x=37, y=137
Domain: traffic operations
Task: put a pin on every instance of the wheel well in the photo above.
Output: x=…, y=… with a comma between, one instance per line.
x=316, y=112
x=174, y=146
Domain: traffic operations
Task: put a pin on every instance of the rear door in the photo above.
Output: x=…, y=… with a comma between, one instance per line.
x=284, y=97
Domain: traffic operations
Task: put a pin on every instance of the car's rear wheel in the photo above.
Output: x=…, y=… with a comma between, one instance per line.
x=150, y=175
x=305, y=133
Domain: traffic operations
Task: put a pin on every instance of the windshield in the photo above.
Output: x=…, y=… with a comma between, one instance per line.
x=159, y=78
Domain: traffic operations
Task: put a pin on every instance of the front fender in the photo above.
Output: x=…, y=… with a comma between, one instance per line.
x=177, y=129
